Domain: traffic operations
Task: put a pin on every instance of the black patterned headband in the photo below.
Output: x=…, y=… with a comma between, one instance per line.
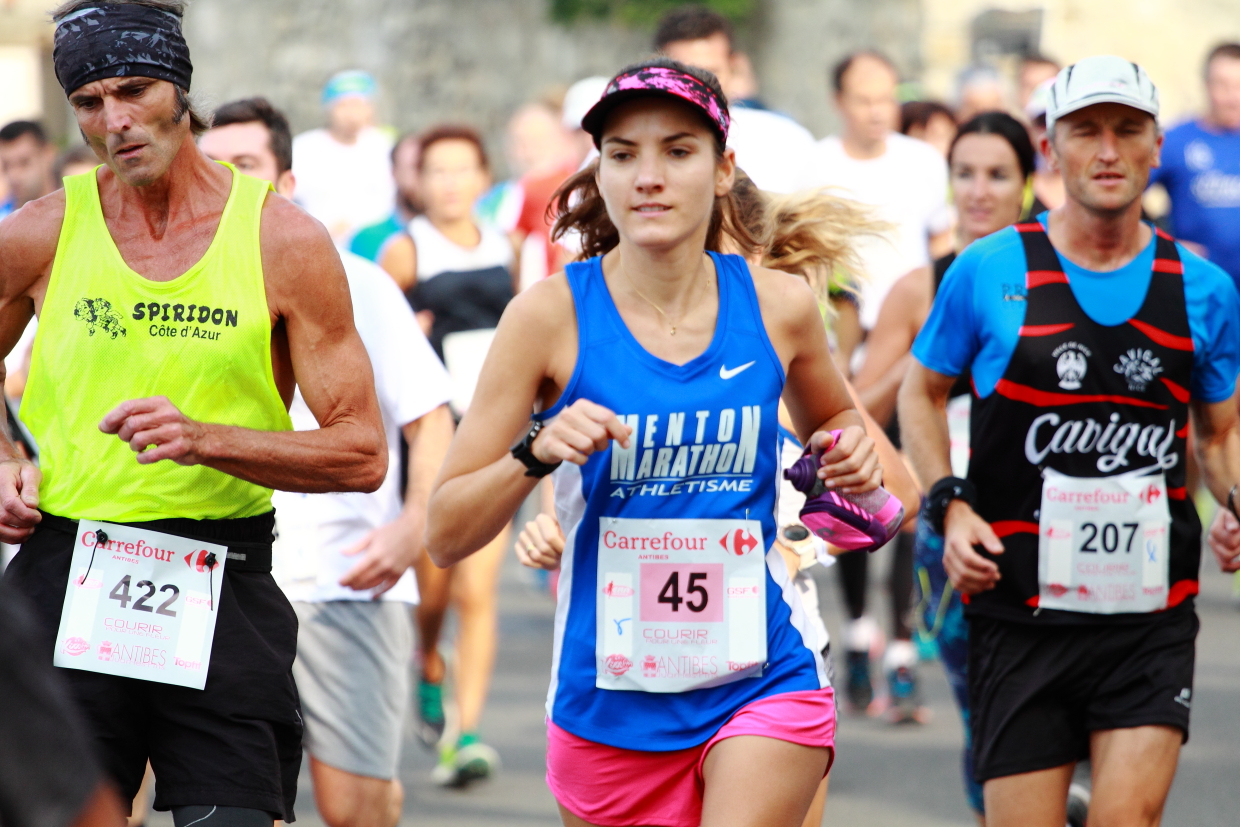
x=115, y=40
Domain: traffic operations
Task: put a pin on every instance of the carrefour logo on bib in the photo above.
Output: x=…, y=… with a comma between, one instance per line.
x=687, y=452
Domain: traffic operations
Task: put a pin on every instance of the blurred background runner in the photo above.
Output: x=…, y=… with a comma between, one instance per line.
x=1047, y=185
x=49, y=776
x=929, y=121
x=370, y=242
x=459, y=275
x=27, y=160
x=904, y=180
x=991, y=164
x=1036, y=70
x=980, y=89
x=541, y=151
x=344, y=561
x=344, y=169
x=28, y=166
x=774, y=150
x=1201, y=167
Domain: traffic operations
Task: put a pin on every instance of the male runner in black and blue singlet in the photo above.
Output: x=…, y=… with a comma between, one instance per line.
x=1091, y=337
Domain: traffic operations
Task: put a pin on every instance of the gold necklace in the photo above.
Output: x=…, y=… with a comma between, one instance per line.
x=666, y=318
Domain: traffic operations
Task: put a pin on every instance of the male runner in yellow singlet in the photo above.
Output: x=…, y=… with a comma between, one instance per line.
x=179, y=303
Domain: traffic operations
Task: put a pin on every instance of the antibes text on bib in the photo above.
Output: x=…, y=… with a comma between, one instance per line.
x=681, y=603
x=1103, y=543
x=140, y=604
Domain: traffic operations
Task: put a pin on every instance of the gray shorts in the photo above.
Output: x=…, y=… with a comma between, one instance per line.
x=352, y=672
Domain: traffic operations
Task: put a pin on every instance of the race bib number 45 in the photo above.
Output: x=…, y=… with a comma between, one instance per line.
x=1104, y=543
x=140, y=604
x=681, y=603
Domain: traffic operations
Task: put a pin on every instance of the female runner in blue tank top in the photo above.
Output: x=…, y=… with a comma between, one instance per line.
x=657, y=367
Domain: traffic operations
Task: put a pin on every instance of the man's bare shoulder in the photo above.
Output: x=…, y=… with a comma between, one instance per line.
x=28, y=241
x=287, y=229
x=300, y=262
x=35, y=227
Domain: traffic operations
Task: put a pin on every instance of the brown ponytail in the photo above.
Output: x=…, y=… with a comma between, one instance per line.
x=811, y=233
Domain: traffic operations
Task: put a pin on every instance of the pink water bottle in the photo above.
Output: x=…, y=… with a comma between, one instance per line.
x=852, y=522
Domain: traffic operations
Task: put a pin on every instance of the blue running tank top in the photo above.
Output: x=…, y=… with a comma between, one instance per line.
x=705, y=445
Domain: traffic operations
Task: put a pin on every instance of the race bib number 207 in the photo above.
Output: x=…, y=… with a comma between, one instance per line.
x=140, y=604
x=1103, y=544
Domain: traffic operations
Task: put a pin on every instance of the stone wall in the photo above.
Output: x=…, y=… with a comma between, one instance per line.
x=798, y=41
x=457, y=60
x=476, y=60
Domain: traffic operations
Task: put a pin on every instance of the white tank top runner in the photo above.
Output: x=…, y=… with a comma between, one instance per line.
x=437, y=254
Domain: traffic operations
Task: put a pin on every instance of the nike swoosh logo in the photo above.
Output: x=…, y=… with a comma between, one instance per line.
x=724, y=373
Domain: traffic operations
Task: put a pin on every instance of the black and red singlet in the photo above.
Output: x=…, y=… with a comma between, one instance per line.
x=1087, y=400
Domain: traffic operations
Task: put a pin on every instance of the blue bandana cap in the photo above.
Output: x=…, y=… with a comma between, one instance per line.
x=353, y=83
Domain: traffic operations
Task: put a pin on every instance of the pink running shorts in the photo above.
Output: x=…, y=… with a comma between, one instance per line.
x=626, y=788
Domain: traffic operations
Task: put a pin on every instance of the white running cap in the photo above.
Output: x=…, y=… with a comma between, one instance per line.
x=1101, y=79
x=580, y=98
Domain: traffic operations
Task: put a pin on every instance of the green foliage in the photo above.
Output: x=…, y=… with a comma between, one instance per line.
x=639, y=12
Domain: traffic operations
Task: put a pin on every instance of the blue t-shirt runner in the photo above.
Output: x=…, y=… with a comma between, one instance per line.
x=1201, y=172
x=370, y=242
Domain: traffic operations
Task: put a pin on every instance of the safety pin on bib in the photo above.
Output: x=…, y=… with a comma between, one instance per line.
x=100, y=537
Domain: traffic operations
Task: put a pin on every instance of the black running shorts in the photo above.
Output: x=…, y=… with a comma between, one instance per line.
x=1037, y=692
x=237, y=742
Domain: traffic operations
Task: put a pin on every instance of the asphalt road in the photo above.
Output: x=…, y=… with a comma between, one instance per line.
x=907, y=776
x=910, y=776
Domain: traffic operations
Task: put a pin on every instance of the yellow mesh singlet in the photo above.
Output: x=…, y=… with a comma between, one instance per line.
x=107, y=335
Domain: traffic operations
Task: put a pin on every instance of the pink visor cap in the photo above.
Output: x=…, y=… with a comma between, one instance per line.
x=658, y=80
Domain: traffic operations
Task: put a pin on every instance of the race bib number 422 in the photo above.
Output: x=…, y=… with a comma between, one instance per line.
x=140, y=604
x=681, y=603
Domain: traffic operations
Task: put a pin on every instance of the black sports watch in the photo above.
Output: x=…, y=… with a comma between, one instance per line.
x=941, y=495
x=523, y=451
